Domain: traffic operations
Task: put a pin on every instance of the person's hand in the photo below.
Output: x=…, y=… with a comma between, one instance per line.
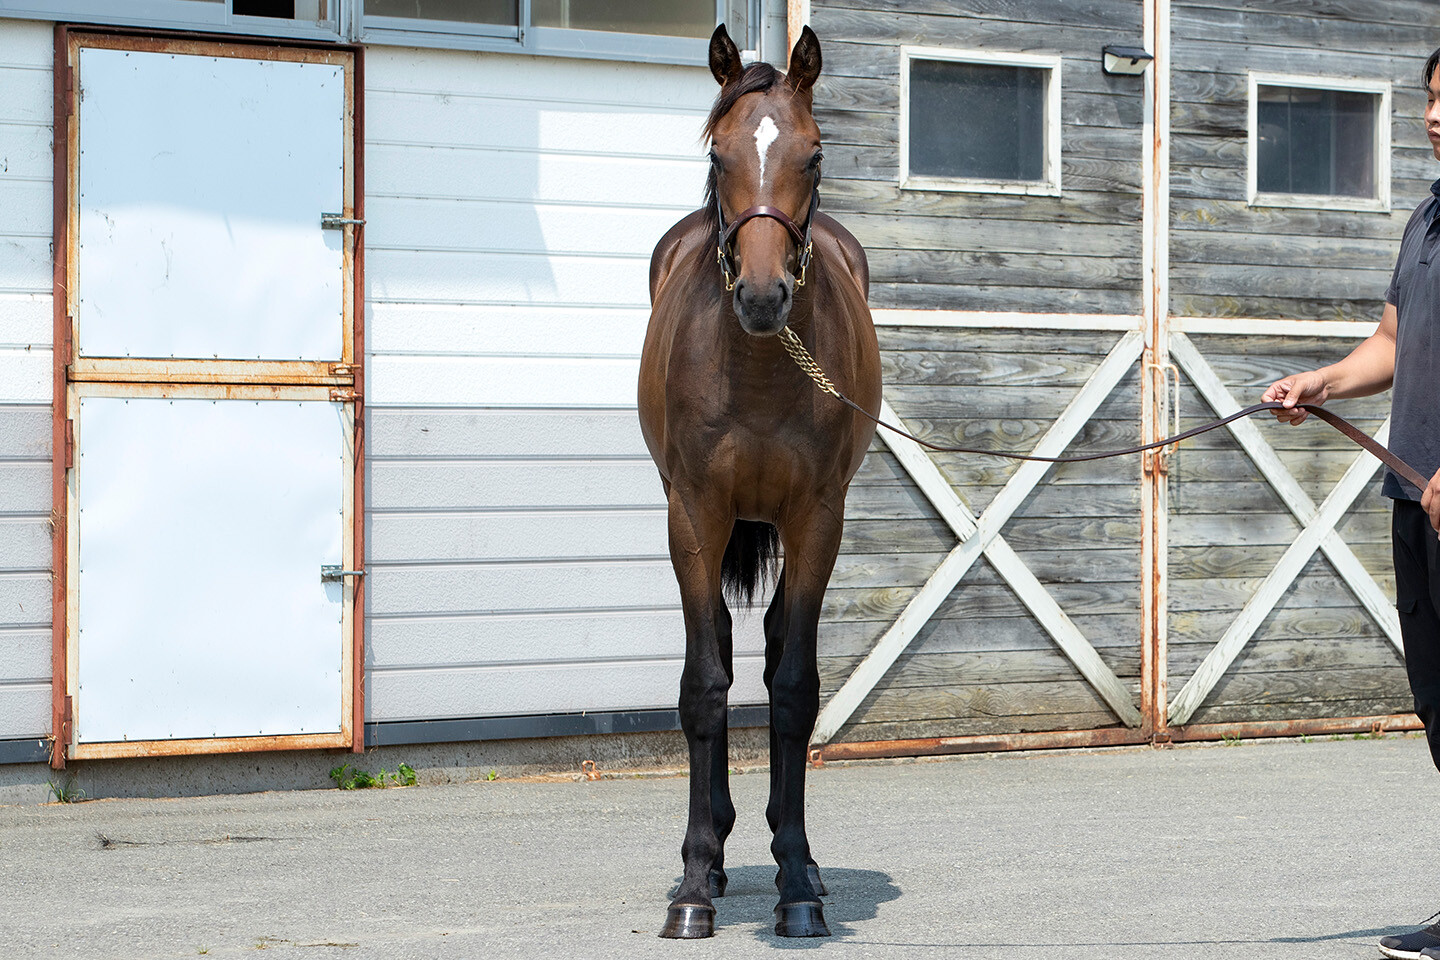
x=1301, y=388
x=1430, y=501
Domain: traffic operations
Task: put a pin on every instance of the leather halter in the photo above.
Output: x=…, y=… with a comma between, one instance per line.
x=726, y=237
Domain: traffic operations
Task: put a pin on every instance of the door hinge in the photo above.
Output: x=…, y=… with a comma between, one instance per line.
x=333, y=574
x=342, y=394
x=338, y=221
x=69, y=444
x=342, y=370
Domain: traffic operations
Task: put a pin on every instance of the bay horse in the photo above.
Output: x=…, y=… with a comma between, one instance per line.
x=752, y=457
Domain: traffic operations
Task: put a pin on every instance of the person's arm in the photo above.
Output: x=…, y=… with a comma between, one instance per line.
x=1368, y=369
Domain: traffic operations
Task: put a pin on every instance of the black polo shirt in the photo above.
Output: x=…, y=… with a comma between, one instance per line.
x=1415, y=397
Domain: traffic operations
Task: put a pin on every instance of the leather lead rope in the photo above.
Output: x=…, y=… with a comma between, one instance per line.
x=807, y=363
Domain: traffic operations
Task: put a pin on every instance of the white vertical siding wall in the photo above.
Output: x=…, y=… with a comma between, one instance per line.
x=26, y=52
x=517, y=546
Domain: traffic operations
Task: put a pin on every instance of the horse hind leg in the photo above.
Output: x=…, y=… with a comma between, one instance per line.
x=722, y=807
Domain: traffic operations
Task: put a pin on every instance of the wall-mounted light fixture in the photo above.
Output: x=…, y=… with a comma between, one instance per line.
x=1126, y=61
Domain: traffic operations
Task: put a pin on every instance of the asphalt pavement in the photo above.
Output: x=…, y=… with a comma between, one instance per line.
x=1287, y=849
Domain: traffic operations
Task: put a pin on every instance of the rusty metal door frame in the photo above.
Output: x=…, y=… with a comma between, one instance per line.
x=340, y=382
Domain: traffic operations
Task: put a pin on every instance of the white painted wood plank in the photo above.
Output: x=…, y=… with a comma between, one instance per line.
x=889, y=647
x=25, y=487
x=457, y=73
x=560, y=688
x=436, y=277
x=558, y=636
x=475, y=537
x=482, y=226
x=27, y=43
x=1254, y=326
x=25, y=152
x=29, y=95
x=511, y=330
x=990, y=319
x=505, y=483
x=24, y=710
x=26, y=319
x=517, y=587
x=24, y=435
x=25, y=543
x=442, y=120
x=1258, y=607
x=24, y=264
x=442, y=433
x=24, y=599
x=25, y=375
x=25, y=205
x=399, y=170
x=25, y=656
x=502, y=381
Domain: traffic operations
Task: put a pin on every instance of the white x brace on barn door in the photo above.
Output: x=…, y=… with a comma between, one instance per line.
x=1108, y=700
x=210, y=490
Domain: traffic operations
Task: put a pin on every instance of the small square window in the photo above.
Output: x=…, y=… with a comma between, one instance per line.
x=1319, y=143
x=978, y=122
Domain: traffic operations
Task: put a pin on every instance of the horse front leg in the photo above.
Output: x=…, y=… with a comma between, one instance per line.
x=697, y=545
x=774, y=646
x=811, y=545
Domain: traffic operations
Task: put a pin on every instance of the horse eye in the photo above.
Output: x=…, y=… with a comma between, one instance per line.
x=815, y=161
x=715, y=161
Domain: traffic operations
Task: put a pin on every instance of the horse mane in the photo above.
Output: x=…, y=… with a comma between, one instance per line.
x=758, y=77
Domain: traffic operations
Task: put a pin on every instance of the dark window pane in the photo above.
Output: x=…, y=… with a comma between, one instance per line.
x=977, y=120
x=506, y=12
x=673, y=18
x=1319, y=142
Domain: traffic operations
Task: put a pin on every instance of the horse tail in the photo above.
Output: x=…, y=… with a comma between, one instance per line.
x=749, y=561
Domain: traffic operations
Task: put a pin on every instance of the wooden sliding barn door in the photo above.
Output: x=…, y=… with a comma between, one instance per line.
x=980, y=603
x=206, y=396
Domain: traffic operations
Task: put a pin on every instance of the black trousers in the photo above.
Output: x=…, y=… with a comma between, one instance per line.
x=1417, y=597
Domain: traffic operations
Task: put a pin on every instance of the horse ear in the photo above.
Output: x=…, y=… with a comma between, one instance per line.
x=804, y=61
x=724, y=57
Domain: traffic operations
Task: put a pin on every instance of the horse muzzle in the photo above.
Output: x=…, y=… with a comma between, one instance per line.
x=763, y=307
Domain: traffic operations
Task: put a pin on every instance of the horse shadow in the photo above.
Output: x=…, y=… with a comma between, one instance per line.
x=854, y=896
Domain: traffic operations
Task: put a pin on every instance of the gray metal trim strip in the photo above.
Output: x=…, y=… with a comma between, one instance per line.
x=24, y=751
x=396, y=732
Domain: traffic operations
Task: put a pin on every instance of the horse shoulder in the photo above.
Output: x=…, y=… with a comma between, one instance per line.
x=670, y=248
x=852, y=254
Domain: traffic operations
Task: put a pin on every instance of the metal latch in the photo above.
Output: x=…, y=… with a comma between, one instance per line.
x=338, y=221
x=333, y=574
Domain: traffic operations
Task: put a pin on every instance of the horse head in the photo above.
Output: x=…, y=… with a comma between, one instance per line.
x=764, y=177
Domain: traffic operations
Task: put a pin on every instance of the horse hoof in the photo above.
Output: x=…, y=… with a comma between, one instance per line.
x=813, y=872
x=689, y=921
x=718, y=882
x=800, y=920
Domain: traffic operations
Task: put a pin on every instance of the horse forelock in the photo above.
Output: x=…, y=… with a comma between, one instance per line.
x=759, y=77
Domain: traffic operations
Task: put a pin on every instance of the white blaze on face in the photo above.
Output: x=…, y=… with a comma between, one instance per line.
x=765, y=135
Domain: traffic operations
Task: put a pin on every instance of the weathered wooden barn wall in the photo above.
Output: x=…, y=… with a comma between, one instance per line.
x=1076, y=253
x=1229, y=259
x=984, y=664
x=517, y=547
x=26, y=51
x=1318, y=653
